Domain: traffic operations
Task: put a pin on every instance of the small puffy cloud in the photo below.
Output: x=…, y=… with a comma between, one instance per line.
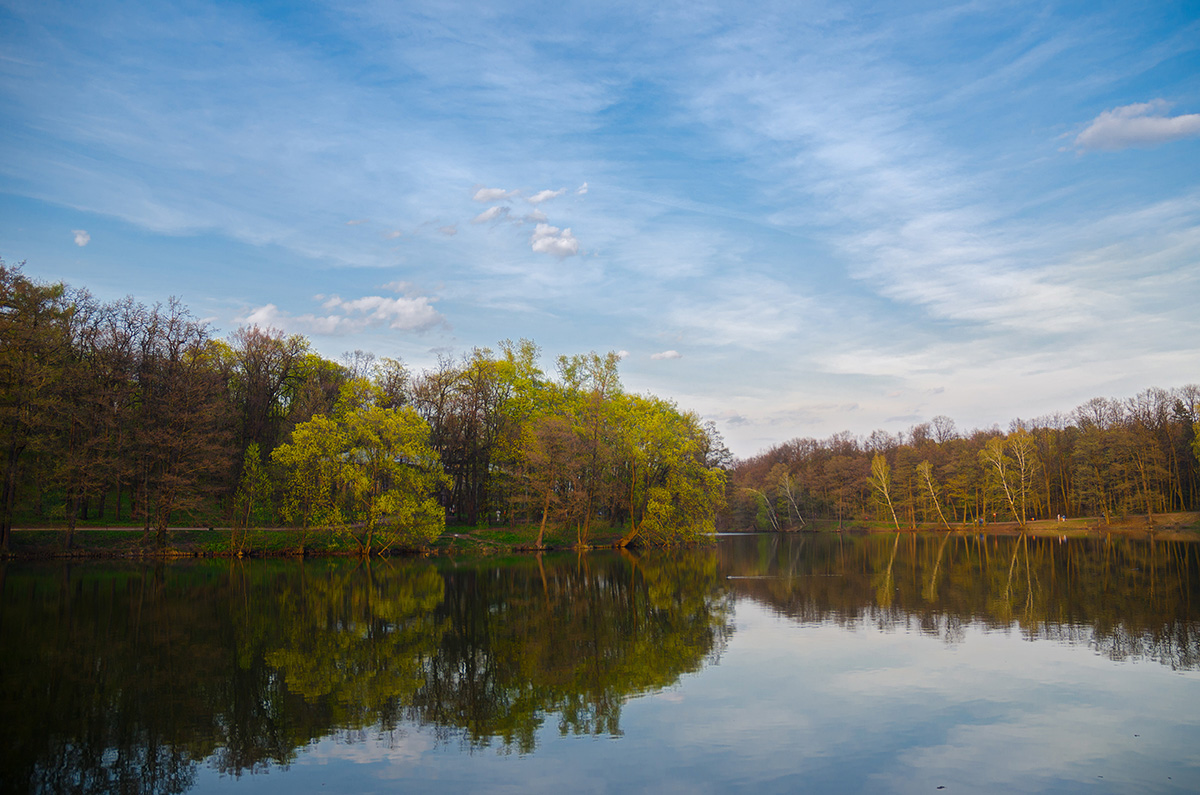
x=545, y=195
x=82, y=238
x=548, y=239
x=622, y=354
x=405, y=313
x=582, y=190
x=392, y=235
x=535, y=217
x=490, y=214
x=493, y=194
x=667, y=355
x=449, y=231
x=356, y=222
x=1140, y=124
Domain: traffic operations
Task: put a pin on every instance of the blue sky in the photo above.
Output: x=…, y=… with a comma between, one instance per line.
x=794, y=218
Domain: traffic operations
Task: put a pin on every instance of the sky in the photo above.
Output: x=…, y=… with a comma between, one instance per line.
x=794, y=219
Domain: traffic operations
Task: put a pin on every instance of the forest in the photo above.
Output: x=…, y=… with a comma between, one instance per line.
x=126, y=412
x=1107, y=458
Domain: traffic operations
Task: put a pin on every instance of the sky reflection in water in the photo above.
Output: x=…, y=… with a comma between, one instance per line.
x=880, y=701
x=823, y=708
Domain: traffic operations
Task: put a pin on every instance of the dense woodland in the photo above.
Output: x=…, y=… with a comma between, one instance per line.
x=1107, y=458
x=125, y=412
x=122, y=411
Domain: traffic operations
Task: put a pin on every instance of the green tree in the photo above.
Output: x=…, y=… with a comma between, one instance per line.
x=674, y=495
x=591, y=382
x=1196, y=437
x=309, y=465
x=369, y=471
x=881, y=483
x=925, y=472
x=1013, y=464
x=253, y=495
x=554, y=465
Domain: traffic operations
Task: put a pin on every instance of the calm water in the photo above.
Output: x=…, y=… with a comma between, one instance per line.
x=769, y=663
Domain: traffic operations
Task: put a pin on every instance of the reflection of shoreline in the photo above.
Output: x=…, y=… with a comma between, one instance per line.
x=1122, y=597
x=247, y=663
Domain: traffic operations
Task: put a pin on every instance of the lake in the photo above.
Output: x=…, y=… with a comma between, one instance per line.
x=767, y=663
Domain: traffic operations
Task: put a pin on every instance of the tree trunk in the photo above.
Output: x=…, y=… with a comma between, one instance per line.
x=545, y=513
x=9, y=495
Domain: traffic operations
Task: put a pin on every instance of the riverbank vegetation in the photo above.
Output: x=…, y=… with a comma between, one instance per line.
x=1109, y=459
x=122, y=413
x=126, y=415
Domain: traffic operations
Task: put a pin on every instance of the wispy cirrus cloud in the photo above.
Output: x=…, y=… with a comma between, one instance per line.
x=491, y=214
x=1141, y=124
x=545, y=195
x=811, y=203
x=486, y=195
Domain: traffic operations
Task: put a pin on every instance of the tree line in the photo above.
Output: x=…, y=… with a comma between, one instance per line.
x=1107, y=458
x=125, y=411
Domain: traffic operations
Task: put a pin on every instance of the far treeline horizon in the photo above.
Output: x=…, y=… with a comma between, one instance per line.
x=125, y=411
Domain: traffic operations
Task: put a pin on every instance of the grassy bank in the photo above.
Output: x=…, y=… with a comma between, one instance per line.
x=131, y=542
x=1183, y=526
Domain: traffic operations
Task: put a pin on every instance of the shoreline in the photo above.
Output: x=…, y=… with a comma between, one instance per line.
x=124, y=542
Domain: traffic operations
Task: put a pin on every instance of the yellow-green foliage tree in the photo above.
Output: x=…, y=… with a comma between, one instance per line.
x=674, y=496
x=368, y=471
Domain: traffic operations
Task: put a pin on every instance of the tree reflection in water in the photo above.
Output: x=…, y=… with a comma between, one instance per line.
x=124, y=678
x=1126, y=598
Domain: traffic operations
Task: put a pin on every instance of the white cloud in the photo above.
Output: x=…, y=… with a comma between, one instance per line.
x=667, y=355
x=545, y=195
x=548, y=239
x=1140, y=124
x=449, y=231
x=622, y=354
x=356, y=222
x=392, y=235
x=490, y=214
x=82, y=238
x=493, y=194
x=582, y=190
x=535, y=217
x=406, y=313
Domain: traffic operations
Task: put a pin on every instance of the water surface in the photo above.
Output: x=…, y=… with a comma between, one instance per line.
x=773, y=663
